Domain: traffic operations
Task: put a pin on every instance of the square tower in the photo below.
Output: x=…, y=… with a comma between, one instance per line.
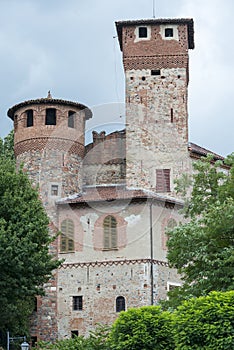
x=155, y=59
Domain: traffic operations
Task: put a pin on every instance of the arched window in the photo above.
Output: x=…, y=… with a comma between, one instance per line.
x=71, y=119
x=120, y=304
x=110, y=232
x=50, y=116
x=67, y=236
x=29, y=114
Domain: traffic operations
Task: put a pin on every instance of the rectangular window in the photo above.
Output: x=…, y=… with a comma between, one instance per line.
x=50, y=116
x=169, y=33
x=54, y=190
x=77, y=303
x=74, y=333
x=71, y=119
x=163, y=180
x=142, y=32
x=29, y=114
x=155, y=72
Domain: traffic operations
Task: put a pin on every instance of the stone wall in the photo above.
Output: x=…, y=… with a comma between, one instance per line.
x=104, y=161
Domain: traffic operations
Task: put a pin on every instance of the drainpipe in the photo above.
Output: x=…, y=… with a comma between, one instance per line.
x=151, y=256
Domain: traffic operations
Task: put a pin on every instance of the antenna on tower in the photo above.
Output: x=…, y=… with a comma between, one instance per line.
x=153, y=8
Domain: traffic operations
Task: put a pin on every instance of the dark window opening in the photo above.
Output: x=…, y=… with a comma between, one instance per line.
x=163, y=180
x=74, y=333
x=50, y=116
x=169, y=33
x=67, y=236
x=77, y=303
x=34, y=341
x=29, y=114
x=172, y=115
x=110, y=232
x=120, y=304
x=143, y=32
x=143, y=78
x=155, y=72
x=71, y=119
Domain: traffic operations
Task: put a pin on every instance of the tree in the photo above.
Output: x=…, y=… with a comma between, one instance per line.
x=145, y=328
x=7, y=146
x=205, y=323
x=25, y=262
x=202, y=249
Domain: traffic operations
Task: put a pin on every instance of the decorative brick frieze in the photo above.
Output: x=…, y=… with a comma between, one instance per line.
x=46, y=143
x=155, y=62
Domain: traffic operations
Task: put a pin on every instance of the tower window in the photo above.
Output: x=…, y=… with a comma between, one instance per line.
x=50, y=116
x=155, y=72
x=120, y=304
x=163, y=180
x=169, y=33
x=29, y=114
x=67, y=236
x=71, y=119
x=142, y=32
x=77, y=303
x=110, y=232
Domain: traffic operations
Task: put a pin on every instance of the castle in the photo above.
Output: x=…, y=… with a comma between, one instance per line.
x=112, y=199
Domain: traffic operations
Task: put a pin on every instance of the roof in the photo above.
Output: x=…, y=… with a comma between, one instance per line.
x=158, y=21
x=200, y=151
x=51, y=101
x=109, y=193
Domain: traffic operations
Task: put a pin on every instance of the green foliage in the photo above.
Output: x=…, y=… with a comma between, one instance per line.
x=7, y=146
x=146, y=328
x=25, y=262
x=202, y=249
x=206, y=323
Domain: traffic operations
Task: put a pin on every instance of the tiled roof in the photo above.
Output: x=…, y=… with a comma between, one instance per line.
x=200, y=151
x=51, y=101
x=158, y=21
x=114, y=192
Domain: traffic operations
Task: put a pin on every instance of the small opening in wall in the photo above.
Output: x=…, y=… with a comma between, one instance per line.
x=155, y=72
x=169, y=32
x=74, y=333
x=143, y=78
x=178, y=76
x=54, y=190
x=142, y=32
x=172, y=115
x=34, y=341
x=131, y=78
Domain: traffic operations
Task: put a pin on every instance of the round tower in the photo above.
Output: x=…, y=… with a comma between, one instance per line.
x=49, y=141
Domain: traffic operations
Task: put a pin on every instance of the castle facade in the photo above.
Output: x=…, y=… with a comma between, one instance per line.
x=114, y=198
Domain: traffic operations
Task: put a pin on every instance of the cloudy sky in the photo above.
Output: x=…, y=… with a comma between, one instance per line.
x=70, y=47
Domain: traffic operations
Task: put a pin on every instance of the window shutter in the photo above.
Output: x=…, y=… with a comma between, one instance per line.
x=163, y=180
x=110, y=232
x=67, y=237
